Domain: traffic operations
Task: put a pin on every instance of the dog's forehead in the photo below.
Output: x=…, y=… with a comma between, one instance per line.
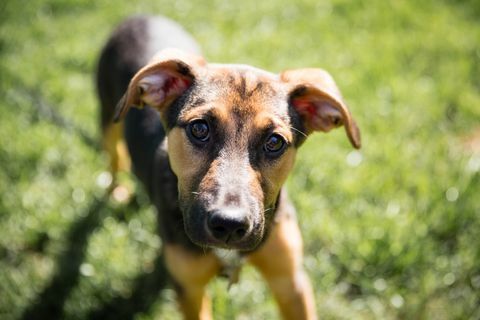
x=241, y=82
x=241, y=69
x=242, y=90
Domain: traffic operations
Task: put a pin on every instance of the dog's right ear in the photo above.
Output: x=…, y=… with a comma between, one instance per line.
x=315, y=96
x=161, y=81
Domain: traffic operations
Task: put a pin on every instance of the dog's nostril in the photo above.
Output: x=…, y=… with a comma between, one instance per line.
x=219, y=230
x=240, y=232
x=228, y=226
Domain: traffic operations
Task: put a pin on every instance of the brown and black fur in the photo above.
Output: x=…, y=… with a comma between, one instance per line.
x=224, y=192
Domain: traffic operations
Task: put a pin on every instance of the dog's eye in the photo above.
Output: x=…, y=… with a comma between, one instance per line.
x=199, y=130
x=274, y=144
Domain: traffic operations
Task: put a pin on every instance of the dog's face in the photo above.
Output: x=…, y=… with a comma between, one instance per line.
x=231, y=145
x=233, y=132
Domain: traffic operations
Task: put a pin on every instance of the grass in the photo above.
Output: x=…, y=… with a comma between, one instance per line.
x=391, y=232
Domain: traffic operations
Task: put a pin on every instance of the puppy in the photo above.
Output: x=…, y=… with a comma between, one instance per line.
x=213, y=145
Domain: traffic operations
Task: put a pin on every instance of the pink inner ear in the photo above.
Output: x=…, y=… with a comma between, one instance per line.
x=319, y=114
x=159, y=87
x=305, y=107
x=176, y=86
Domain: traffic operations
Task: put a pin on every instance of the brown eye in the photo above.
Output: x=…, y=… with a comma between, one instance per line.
x=274, y=144
x=199, y=130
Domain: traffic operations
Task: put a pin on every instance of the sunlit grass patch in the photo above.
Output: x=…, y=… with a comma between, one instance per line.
x=390, y=231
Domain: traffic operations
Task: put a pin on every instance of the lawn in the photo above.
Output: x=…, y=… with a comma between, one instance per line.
x=391, y=231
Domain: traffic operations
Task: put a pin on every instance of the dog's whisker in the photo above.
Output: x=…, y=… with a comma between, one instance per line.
x=299, y=131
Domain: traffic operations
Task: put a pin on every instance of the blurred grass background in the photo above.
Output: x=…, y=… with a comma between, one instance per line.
x=391, y=232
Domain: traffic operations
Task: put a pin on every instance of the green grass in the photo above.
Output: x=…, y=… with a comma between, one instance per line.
x=391, y=232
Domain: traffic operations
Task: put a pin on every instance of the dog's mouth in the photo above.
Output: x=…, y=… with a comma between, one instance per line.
x=227, y=228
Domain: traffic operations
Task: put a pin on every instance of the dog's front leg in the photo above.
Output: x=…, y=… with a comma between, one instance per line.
x=191, y=272
x=280, y=262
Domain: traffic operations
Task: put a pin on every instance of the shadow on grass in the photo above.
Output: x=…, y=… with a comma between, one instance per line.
x=145, y=292
x=49, y=304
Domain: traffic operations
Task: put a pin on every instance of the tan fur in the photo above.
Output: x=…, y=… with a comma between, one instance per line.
x=280, y=261
x=115, y=146
x=184, y=160
x=276, y=174
x=192, y=272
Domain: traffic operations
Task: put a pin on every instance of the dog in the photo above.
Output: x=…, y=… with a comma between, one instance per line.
x=213, y=145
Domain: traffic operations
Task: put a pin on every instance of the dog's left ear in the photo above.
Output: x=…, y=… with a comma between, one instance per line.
x=167, y=76
x=316, y=98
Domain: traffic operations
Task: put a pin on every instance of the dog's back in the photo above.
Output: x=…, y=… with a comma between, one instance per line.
x=128, y=49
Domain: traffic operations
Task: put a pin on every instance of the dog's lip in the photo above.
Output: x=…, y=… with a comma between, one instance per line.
x=239, y=245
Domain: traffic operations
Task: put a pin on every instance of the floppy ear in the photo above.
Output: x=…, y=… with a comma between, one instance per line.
x=168, y=74
x=315, y=96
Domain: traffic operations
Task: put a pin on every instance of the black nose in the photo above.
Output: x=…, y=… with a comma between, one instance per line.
x=228, y=225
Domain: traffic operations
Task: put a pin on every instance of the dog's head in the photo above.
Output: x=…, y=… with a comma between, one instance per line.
x=233, y=132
